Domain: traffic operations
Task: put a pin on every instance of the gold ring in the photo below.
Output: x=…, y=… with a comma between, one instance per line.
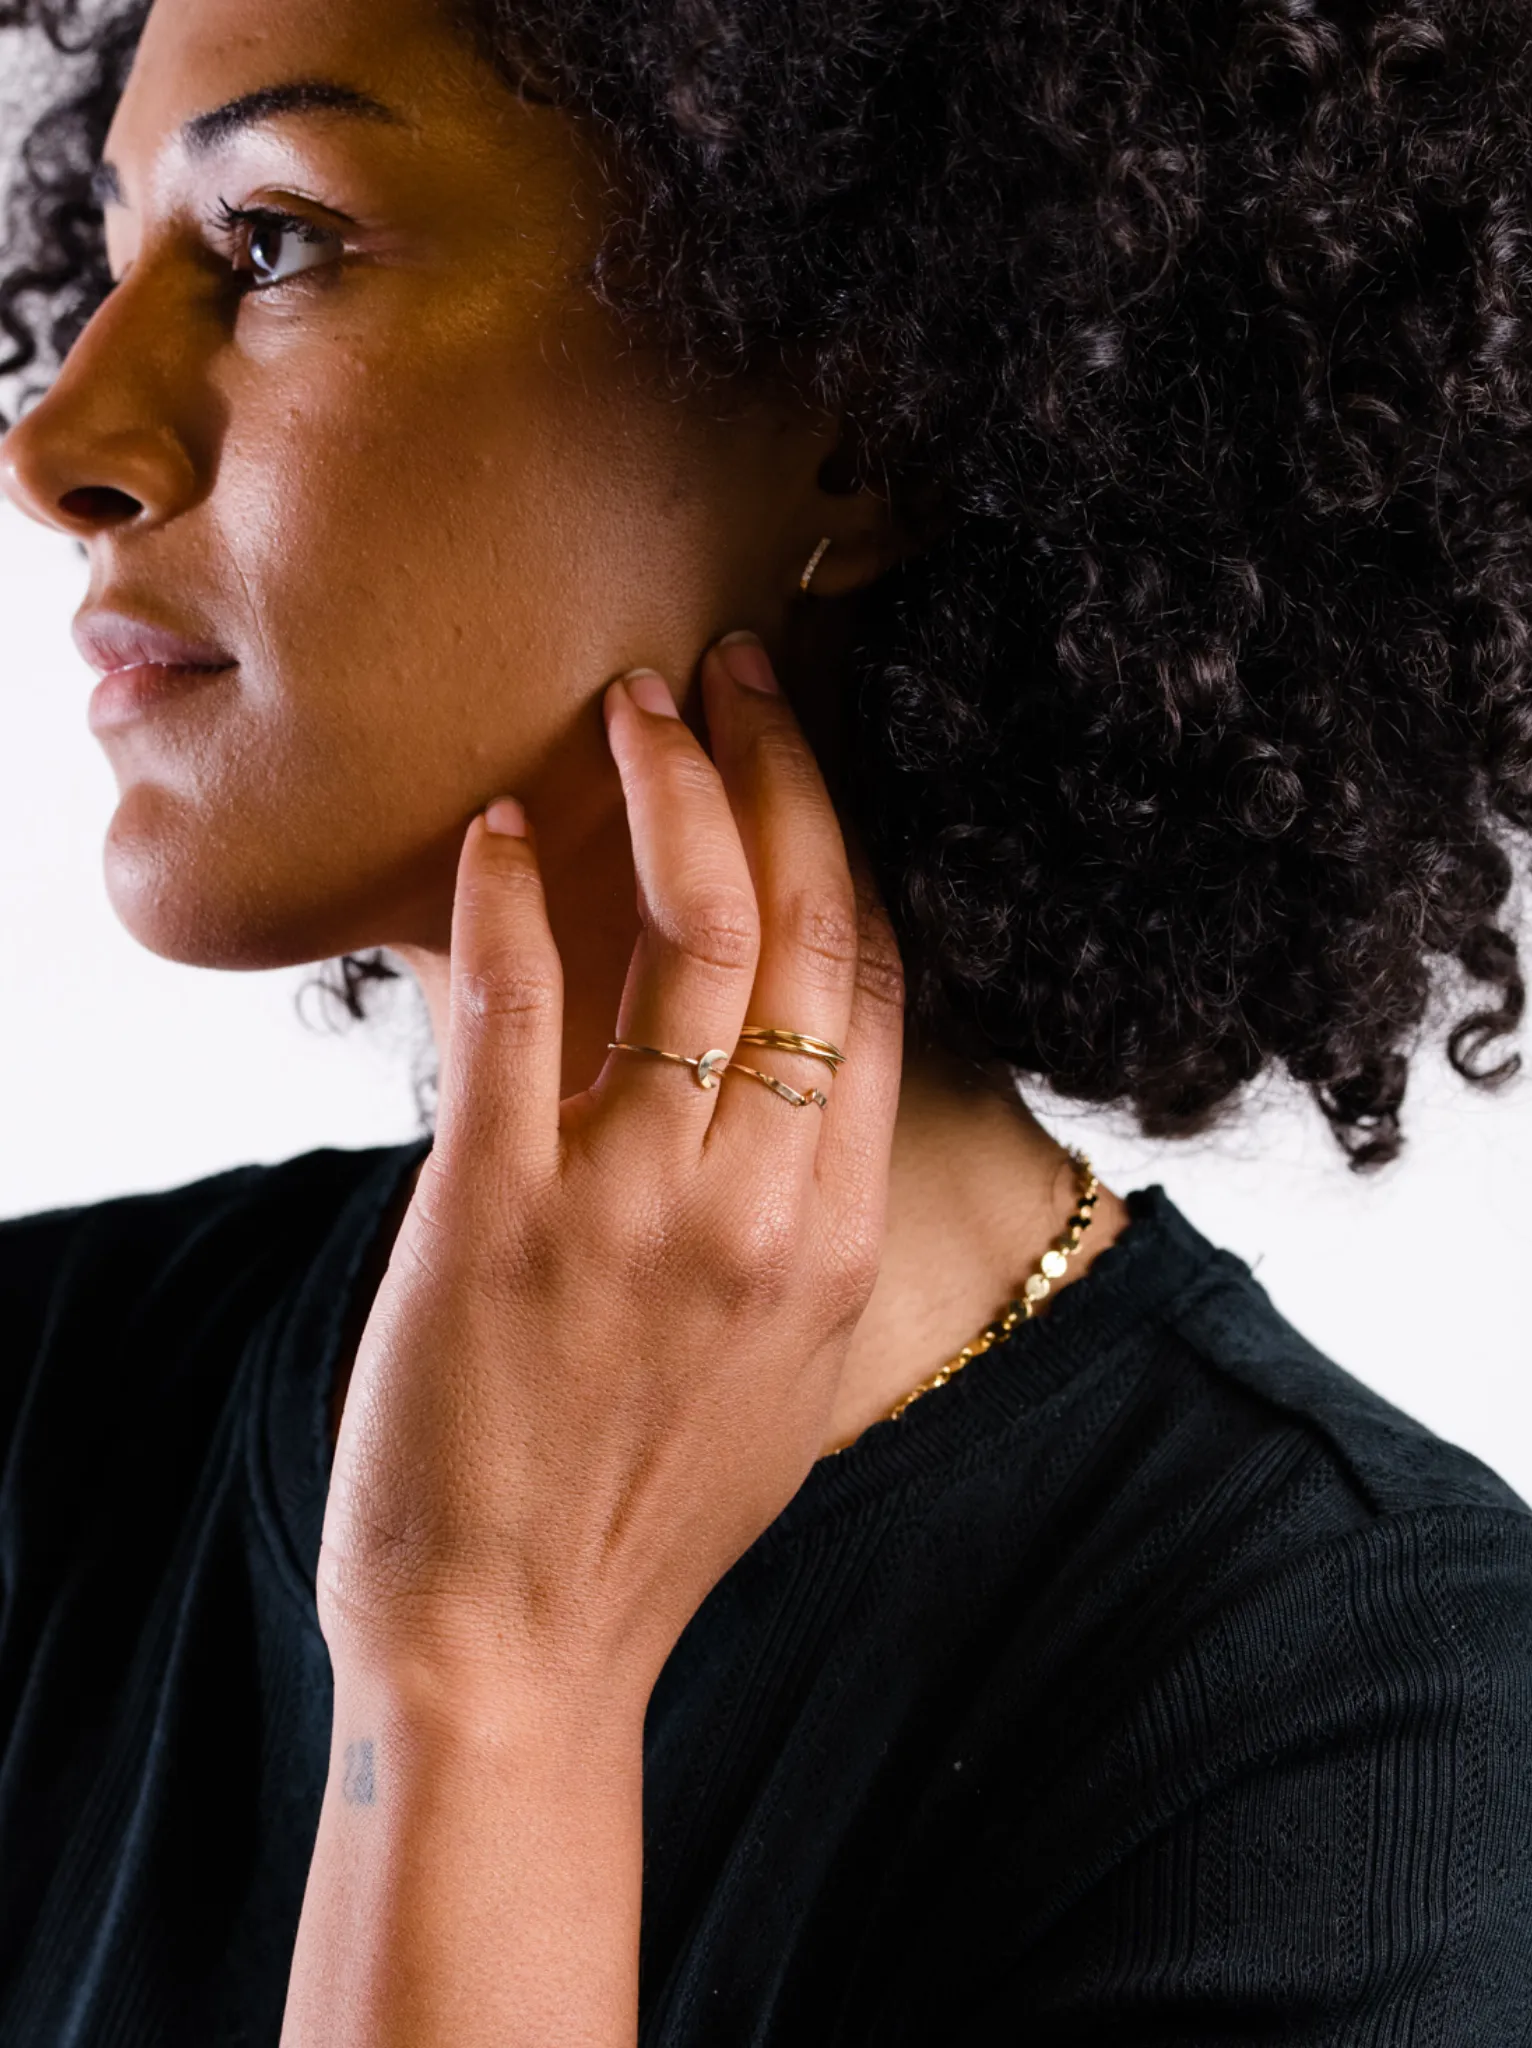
x=793, y=1041
x=788, y=1094
x=708, y=1067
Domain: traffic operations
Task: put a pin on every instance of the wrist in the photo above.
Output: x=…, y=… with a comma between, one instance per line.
x=424, y=1701
x=474, y=1651
x=477, y=1875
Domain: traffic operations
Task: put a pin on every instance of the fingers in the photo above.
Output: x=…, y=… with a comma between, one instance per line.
x=502, y=1067
x=806, y=972
x=748, y=910
x=695, y=960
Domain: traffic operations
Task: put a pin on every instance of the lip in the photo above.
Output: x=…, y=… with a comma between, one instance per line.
x=141, y=664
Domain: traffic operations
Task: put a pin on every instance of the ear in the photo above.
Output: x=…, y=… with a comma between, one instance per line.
x=851, y=526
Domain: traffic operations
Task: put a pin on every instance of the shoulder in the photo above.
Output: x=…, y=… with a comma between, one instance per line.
x=1214, y=1437
x=1316, y=1524
x=1341, y=1598
x=1266, y=1559
x=1288, y=1730
x=1228, y=1330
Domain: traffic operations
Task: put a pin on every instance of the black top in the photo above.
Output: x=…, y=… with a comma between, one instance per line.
x=1152, y=1683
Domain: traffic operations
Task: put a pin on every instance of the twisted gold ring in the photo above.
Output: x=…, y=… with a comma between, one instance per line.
x=782, y=1088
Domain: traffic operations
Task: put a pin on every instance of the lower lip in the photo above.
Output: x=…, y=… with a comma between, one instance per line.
x=129, y=693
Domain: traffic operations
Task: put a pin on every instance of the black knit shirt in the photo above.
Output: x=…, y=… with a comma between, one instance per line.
x=1151, y=1683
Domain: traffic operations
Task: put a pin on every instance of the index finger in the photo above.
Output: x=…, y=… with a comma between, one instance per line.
x=499, y=1097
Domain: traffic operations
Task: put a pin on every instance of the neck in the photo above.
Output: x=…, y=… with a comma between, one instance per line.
x=978, y=1191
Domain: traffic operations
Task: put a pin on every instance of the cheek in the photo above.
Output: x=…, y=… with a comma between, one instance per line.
x=427, y=535
x=429, y=572
x=444, y=559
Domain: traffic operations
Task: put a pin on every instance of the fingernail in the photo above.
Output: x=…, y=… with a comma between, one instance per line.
x=748, y=663
x=650, y=692
x=506, y=816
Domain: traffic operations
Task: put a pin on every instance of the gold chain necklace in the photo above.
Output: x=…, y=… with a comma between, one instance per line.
x=1035, y=1289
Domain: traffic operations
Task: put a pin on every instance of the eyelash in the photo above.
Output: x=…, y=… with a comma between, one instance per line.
x=237, y=223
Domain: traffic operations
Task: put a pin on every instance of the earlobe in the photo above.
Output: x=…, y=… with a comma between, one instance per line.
x=850, y=561
x=861, y=533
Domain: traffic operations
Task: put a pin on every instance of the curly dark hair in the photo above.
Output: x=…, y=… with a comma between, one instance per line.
x=1198, y=338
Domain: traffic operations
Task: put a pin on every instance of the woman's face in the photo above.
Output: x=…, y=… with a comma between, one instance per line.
x=390, y=464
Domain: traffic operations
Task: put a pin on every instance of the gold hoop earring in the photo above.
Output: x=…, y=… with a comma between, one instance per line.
x=814, y=561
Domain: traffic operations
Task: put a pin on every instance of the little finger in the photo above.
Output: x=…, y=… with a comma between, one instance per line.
x=502, y=1065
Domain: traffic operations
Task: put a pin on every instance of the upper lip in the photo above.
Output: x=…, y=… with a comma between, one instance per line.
x=115, y=640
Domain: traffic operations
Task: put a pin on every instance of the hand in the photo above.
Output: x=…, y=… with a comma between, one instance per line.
x=604, y=1355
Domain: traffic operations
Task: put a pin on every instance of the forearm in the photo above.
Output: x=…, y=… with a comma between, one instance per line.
x=477, y=1874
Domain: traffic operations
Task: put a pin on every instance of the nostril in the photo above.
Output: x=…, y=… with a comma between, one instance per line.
x=100, y=505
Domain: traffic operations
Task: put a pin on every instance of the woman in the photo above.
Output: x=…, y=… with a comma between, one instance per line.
x=581, y=1577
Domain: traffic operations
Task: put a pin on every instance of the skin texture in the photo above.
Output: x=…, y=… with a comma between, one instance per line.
x=431, y=504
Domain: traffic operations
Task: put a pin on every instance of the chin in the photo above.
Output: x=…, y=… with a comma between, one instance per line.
x=196, y=896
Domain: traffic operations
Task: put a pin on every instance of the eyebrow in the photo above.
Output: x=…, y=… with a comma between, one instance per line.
x=204, y=133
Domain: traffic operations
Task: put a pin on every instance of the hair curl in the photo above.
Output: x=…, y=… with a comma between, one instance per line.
x=1200, y=339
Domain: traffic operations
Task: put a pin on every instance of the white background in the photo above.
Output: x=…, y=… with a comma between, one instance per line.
x=119, y=1071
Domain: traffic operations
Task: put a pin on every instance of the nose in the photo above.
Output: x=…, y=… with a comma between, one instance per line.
x=105, y=448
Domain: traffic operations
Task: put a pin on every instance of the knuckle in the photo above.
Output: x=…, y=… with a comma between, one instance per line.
x=759, y=1269
x=782, y=757
x=879, y=969
x=752, y=1239
x=823, y=930
x=766, y=1248
x=720, y=928
x=688, y=774
x=504, y=993
x=781, y=1208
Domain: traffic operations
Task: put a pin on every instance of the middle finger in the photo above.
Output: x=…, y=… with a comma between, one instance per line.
x=693, y=966
x=806, y=975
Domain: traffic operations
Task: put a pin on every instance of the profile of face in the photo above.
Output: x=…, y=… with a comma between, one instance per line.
x=351, y=425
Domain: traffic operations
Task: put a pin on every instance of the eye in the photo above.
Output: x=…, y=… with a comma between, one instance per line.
x=268, y=247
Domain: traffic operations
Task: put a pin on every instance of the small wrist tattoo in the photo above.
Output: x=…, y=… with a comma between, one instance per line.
x=358, y=1786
